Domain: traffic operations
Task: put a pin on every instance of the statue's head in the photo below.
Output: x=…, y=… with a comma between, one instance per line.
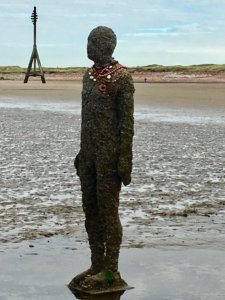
x=101, y=44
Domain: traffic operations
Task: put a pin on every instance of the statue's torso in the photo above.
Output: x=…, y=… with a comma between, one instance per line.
x=100, y=132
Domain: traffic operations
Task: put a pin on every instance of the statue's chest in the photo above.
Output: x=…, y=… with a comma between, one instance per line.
x=95, y=96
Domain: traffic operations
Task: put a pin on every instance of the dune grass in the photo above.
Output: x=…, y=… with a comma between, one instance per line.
x=204, y=68
x=17, y=69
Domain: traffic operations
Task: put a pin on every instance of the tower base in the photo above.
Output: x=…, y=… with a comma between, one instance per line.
x=36, y=72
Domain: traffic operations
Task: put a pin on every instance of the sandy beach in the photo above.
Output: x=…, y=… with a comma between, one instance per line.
x=177, y=193
x=192, y=95
x=174, y=205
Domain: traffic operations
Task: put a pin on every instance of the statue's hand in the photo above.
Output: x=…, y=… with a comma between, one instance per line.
x=124, y=171
x=76, y=163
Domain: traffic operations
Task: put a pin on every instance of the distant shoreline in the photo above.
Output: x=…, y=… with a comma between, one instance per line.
x=152, y=77
x=207, y=73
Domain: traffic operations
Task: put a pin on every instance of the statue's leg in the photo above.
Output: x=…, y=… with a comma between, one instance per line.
x=108, y=188
x=93, y=224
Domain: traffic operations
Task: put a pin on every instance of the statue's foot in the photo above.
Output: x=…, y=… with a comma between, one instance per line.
x=103, y=279
x=78, y=280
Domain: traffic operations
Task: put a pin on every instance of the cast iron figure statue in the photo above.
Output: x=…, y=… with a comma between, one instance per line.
x=105, y=157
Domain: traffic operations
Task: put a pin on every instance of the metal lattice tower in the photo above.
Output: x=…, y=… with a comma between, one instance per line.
x=34, y=60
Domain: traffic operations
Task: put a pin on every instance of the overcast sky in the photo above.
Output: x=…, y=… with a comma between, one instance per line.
x=165, y=32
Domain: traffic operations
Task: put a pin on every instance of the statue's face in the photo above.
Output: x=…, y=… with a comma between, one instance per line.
x=101, y=44
x=94, y=50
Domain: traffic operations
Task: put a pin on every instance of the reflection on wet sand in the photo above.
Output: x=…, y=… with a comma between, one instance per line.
x=112, y=296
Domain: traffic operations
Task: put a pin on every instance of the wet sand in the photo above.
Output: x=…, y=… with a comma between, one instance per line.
x=173, y=210
x=42, y=271
x=177, y=194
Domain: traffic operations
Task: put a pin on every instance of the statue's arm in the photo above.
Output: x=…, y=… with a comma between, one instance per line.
x=125, y=109
x=77, y=158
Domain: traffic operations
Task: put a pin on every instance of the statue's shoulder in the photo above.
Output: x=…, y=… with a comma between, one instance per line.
x=123, y=78
x=122, y=73
x=119, y=69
